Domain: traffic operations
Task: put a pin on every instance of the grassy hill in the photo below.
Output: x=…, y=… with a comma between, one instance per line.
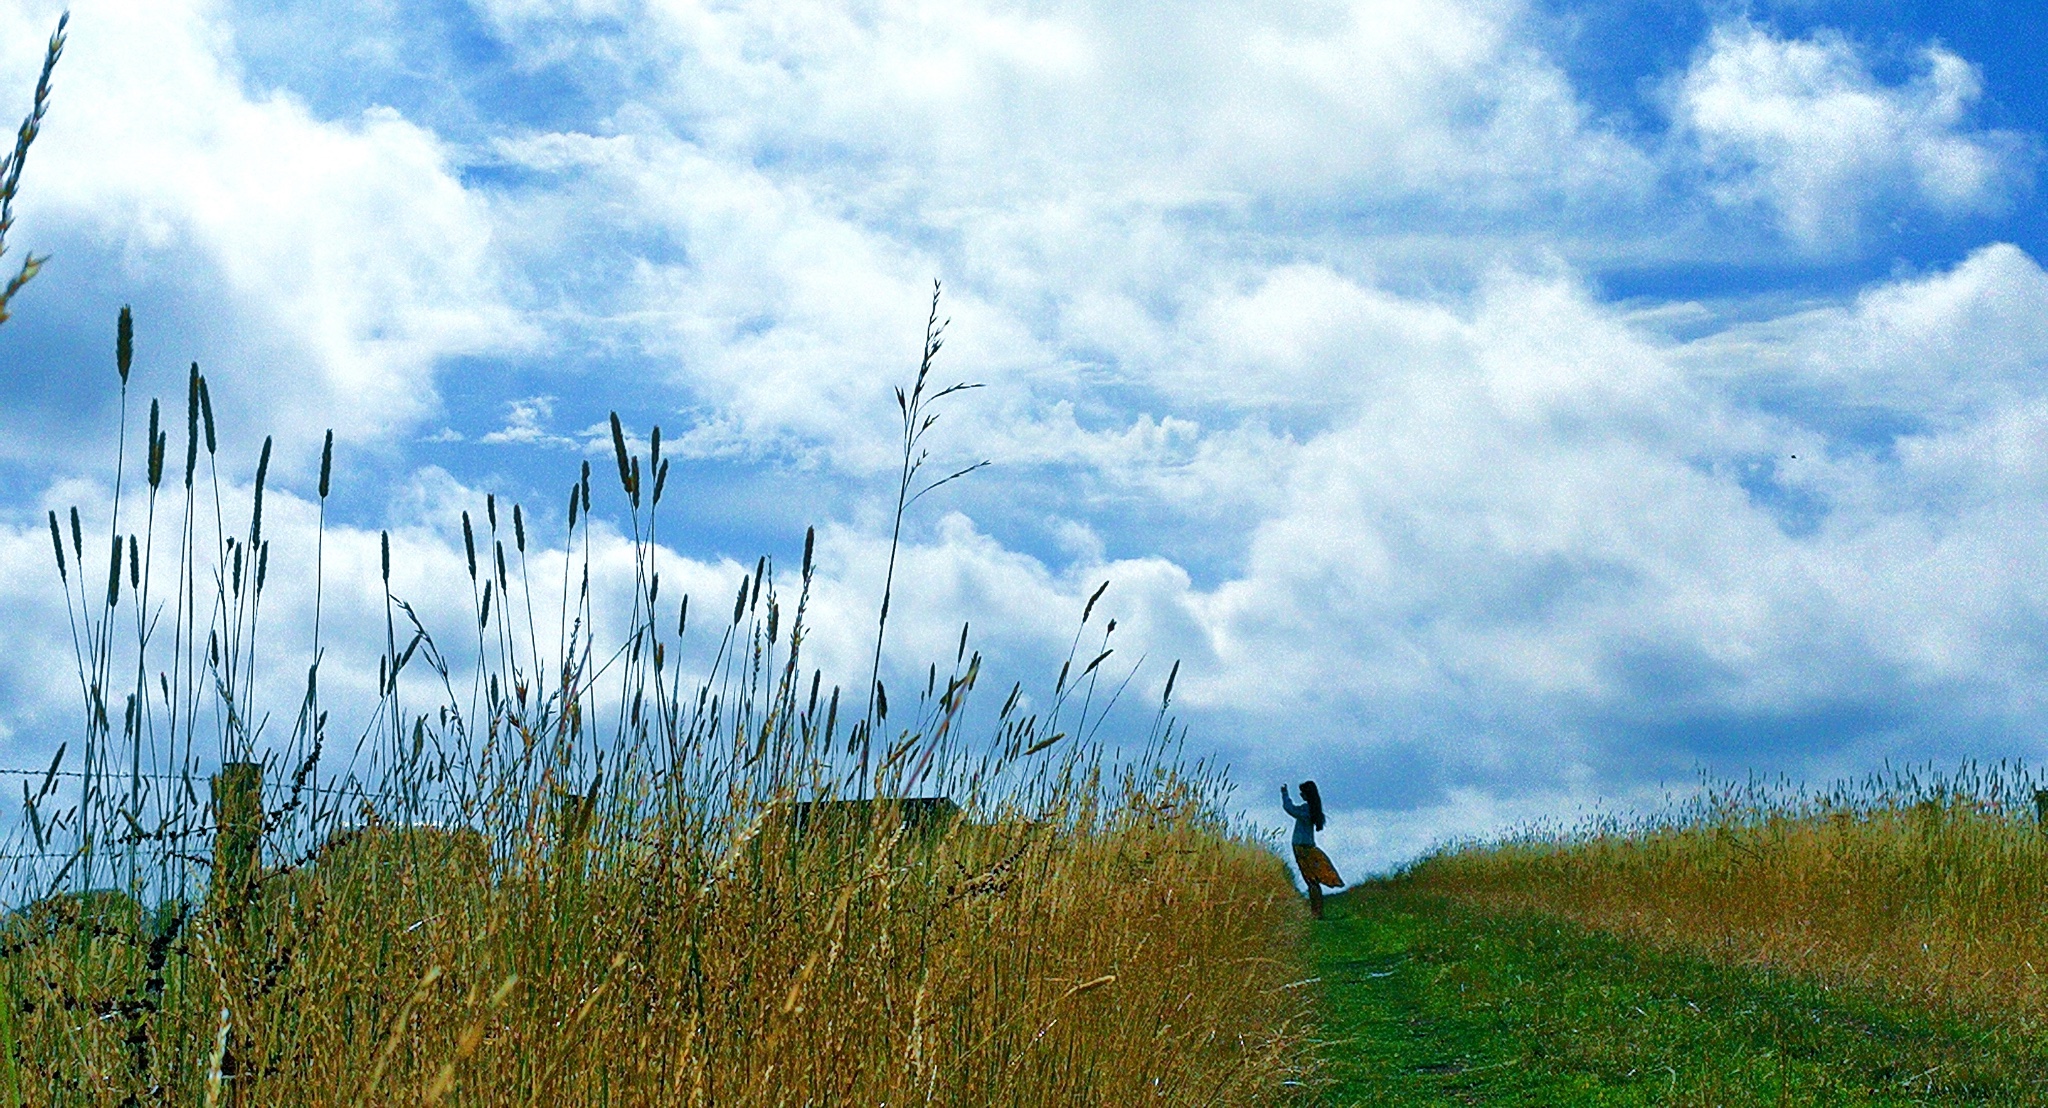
x=1881, y=942
x=1429, y=1001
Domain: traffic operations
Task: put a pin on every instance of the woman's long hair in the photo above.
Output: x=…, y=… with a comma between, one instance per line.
x=1314, y=800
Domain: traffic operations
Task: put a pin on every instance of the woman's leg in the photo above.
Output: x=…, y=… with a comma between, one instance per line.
x=1315, y=898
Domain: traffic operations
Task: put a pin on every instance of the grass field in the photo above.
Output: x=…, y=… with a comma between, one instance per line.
x=1929, y=887
x=1430, y=1002
x=546, y=866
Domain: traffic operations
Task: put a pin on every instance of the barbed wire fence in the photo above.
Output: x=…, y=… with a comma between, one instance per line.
x=158, y=845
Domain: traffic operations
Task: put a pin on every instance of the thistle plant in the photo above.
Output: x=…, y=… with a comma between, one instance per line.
x=12, y=161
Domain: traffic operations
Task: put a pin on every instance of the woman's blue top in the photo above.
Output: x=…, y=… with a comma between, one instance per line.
x=1304, y=821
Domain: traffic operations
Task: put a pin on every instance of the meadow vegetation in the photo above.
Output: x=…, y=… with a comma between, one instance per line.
x=1928, y=888
x=545, y=869
x=1431, y=1001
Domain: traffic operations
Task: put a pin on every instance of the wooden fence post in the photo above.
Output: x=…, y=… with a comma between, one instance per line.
x=238, y=834
x=237, y=850
x=572, y=816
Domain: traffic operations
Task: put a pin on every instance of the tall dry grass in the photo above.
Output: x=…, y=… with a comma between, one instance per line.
x=1144, y=963
x=575, y=875
x=1930, y=887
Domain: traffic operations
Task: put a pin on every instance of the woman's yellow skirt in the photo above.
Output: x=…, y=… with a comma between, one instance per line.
x=1316, y=868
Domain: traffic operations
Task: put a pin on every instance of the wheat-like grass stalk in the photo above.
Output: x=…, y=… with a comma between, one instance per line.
x=11, y=164
x=588, y=878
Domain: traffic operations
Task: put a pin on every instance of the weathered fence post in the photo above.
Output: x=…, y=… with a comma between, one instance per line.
x=238, y=835
x=237, y=848
x=572, y=815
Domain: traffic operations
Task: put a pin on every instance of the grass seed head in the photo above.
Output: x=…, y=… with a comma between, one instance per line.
x=192, y=425
x=256, y=514
x=156, y=446
x=57, y=540
x=114, y=574
x=206, y=416
x=326, y=461
x=124, y=344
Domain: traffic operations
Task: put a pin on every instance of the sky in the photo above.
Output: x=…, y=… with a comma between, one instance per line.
x=1502, y=410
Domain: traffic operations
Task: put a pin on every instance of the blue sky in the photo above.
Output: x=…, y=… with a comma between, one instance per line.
x=1500, y=408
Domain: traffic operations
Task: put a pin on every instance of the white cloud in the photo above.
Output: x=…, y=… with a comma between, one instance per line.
x=1947, y=347
x=1195, y=102
x=1803, y=127
x=328, y=266
x=526, y=421
x=1552, y=545
x=1085, y=178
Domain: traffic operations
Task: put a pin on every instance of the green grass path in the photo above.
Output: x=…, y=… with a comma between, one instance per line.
x=1427, y=1003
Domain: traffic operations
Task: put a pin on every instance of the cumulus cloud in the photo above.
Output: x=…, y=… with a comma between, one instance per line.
x=325, y=266
x=526, y=422
x=1195, y=103
x=1804, y=128
x=1938, y=350
x=1575, y=550
x=1082, y=177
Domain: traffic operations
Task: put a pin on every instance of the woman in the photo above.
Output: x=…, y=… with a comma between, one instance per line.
x=1316, y=870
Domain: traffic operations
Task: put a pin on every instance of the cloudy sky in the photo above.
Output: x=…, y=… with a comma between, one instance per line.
x=1500, y=408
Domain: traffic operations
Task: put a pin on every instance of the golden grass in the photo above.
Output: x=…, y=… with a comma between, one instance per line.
x=1934, y=892
x=1144, y=963
x=576, y=882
